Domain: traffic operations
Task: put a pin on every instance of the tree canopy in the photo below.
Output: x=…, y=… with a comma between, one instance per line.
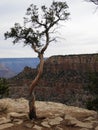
x=38, y=25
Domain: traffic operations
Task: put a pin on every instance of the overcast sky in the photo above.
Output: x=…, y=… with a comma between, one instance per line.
x=79, y=34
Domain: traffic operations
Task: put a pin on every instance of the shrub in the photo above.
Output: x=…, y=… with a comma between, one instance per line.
x=93, y=90
x=4, y=89
x=93, y=105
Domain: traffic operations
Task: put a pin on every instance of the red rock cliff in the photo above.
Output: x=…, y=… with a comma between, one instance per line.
x=65, y=79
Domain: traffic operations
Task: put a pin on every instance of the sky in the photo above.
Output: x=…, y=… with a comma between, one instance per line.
x=78, y=35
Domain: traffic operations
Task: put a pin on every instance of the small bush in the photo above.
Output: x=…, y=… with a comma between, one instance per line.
x=93, y=90
x=4, y=89
x=93, y=105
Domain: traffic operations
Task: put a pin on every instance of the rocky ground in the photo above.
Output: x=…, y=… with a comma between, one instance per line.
x=51, y=116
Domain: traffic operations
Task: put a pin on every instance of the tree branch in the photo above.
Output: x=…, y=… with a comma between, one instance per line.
x=94, y=1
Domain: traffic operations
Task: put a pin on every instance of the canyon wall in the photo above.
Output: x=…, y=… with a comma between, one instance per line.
x=65, y=79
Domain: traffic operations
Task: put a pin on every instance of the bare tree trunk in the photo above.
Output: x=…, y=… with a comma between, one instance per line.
x=32, y=108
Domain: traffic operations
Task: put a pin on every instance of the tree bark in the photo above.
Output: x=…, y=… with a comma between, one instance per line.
x=32, y=108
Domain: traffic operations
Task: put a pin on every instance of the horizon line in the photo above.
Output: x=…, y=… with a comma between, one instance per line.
x=55, y=55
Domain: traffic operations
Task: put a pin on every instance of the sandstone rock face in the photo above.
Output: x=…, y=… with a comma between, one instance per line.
x=73, y=62
x=15, y=105
x=4, y=126
x=96, y=128
x=57, y=116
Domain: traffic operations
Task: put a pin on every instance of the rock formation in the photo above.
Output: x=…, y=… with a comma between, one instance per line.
x=65, y=79
x=14, y=112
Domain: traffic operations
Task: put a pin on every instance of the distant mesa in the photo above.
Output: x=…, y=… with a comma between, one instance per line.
x=5, y=71
x=10, y=67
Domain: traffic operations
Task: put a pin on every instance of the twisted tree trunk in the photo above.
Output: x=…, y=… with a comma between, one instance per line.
x=32, y=108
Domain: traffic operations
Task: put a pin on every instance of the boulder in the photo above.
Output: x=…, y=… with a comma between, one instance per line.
x=14, y=105
x=7, y=125
x=4, y=120
x=57, y=116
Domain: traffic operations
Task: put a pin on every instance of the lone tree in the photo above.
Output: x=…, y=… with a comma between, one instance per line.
x=37, y=31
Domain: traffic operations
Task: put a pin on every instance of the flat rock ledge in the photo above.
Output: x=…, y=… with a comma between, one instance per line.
x=51, y=116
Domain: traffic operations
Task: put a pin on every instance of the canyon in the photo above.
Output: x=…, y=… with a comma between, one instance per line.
x=65, y=79
x=10, y=67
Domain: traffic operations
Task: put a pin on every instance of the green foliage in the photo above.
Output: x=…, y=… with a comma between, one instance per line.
x=39, y=26
x=93, y=89
x=4, y=89
x=93, y=104
x=93, y=84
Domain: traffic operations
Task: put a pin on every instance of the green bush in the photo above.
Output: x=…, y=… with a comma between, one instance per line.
x=4, y=89
x=93, y=84
x=93, y=105
x=93, y=90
